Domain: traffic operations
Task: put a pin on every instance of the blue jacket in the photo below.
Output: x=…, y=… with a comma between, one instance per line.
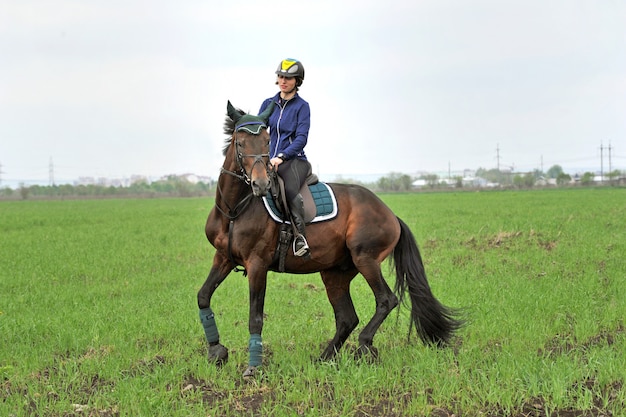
x=289, y=126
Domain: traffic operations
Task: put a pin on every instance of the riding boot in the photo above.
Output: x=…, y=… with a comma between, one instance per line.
x=300, y=245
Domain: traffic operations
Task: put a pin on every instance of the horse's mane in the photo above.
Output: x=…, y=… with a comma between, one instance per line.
x=229, y=129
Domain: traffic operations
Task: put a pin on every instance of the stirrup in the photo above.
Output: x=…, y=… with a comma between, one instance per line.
x=304, y=250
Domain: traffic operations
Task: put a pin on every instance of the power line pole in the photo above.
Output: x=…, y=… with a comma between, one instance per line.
x=51, y=172
x=610, y=167
x=601, y=163
x=498, y=157
x=1, y=173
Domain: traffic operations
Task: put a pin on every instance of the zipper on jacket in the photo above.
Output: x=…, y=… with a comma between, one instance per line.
x=280, y=116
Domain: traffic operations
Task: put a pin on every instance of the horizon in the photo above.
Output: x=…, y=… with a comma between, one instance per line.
x=365, y=178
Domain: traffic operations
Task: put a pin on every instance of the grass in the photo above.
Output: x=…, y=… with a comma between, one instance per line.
x=98, y=314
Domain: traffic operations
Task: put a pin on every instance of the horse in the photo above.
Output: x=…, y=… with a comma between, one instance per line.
x=363, y=234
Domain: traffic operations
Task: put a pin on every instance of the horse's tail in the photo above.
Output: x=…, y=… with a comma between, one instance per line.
x=434, y=322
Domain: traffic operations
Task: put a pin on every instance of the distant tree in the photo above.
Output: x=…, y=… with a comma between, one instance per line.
x=65, y=190
x=140, y=187
x=395, y=182
x=24, y=191
x=6, y=192
x=202, y=188
x=183, y=188
x=555, y=171
x=615, y=174
x=563, y=179
x=170, y=186
x=495, y=176
x=524, y=181
x=406, y=182
x=431, y=179
x=587, y=178
x=383, y=184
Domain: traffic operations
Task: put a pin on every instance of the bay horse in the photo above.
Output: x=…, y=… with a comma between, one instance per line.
x=363, y=234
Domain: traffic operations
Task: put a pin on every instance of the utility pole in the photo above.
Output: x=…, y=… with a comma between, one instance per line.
x=1, y=173
x=601, y=163
x=51, y=172
x=498, y=156
x=610, y=167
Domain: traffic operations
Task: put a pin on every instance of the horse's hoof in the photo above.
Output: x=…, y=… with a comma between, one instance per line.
x=368, y=353
x=218, y=354
x=327, y=356
x=250, y=372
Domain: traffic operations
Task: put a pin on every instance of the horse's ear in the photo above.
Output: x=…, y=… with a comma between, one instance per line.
x=267, y=112
x=233, y=113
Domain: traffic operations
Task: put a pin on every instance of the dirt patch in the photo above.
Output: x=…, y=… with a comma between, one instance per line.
x=144, y=366
x=210, y=395
x=507, y=239
x=502, y=238
x=247, y=398
x=567, y=343
x=86, y=411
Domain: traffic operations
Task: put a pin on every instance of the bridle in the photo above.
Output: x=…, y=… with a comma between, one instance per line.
x=239, y=157
x=242, y=175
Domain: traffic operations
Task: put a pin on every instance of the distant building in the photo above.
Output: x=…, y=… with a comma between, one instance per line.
x=137, y=179
x=420, y=183
x=477, y=182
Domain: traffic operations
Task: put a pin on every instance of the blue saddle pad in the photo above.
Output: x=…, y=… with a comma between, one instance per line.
x=323, y=196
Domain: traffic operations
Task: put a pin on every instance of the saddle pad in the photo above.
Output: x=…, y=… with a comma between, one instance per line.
x=323, y=196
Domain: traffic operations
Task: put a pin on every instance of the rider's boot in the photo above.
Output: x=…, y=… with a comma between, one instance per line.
x=300, y=245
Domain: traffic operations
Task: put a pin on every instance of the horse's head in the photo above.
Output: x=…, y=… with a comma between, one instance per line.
x=250, y=143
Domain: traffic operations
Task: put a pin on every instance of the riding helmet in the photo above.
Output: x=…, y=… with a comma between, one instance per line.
x=291, y=68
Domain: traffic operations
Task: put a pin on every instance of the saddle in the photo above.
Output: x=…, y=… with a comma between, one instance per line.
x=319, y=204
x=280, y=203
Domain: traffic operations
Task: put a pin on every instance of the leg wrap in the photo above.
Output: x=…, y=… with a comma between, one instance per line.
x=256, y=350
x=208, y=323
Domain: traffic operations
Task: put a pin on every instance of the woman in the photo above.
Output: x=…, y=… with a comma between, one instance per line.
x=289, y=130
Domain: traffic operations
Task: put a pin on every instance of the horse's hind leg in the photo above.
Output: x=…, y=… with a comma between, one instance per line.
x=217, y=353
x=385, y=302
x=337, y=284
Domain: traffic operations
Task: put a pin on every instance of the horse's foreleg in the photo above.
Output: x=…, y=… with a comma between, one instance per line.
x=217, y=353
x=257, y=282
x=385, y=302
x=338, y=291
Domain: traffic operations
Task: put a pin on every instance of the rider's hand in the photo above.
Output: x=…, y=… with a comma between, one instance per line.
x=275, y=162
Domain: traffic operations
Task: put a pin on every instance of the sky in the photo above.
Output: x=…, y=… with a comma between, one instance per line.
x=119, y=88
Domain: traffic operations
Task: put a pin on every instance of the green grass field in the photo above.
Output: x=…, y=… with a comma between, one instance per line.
x=98, y=314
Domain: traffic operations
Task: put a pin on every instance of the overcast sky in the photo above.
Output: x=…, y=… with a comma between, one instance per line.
x=115, y=88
